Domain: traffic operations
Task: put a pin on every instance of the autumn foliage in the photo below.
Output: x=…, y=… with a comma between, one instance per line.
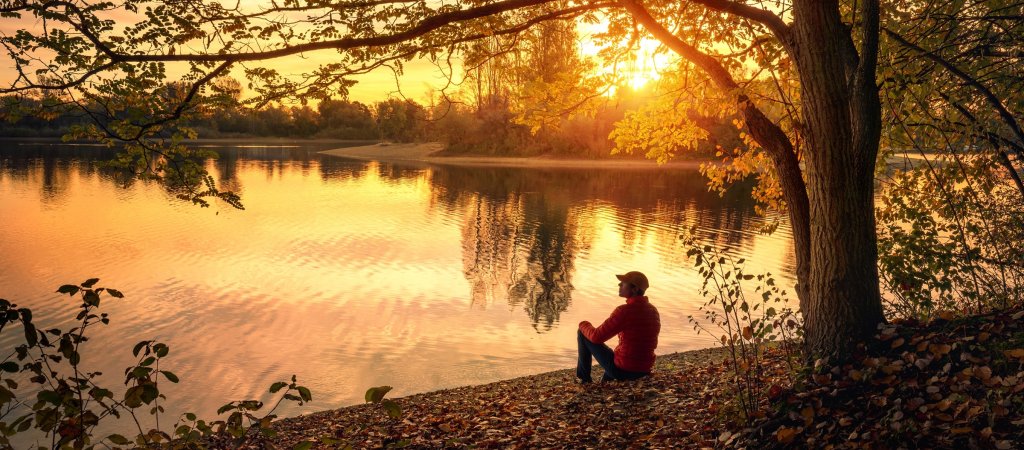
x=946, y=384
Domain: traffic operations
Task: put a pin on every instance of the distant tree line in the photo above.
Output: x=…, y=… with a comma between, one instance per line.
x=390, y=120
x=541, y=98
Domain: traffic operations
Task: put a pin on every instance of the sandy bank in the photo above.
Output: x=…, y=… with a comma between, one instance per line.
x=426, y=154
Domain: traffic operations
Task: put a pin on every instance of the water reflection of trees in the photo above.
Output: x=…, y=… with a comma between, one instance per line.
x=521, y=249
x=54, y=163
x=524, y=228
x=51, y=166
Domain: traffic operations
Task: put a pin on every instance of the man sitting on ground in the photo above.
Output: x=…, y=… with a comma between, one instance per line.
x=637, y=324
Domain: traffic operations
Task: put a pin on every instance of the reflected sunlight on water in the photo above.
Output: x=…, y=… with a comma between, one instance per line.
x=353, y=274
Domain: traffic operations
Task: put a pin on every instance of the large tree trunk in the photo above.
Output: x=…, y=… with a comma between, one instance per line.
x=832, y=214
x=842, y=125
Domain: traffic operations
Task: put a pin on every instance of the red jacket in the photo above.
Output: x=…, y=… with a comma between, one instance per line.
x=637, y=324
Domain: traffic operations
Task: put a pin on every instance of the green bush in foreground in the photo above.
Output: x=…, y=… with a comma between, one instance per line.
x=68, y=404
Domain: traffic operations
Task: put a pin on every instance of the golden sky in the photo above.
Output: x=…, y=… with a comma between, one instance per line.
x=420, y=78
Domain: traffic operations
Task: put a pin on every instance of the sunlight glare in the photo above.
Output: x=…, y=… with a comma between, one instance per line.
x=642, y=67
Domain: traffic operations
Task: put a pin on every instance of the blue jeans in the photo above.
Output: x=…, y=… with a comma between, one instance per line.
x=590, y=351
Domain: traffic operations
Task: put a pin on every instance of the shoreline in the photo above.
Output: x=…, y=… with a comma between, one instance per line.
x=478, y=414
x=425, y=153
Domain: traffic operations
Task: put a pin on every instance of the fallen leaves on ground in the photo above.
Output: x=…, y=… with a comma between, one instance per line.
x=677, y=406
x=947, y=384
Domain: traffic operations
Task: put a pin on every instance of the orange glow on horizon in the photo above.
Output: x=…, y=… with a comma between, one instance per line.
x=420, y=78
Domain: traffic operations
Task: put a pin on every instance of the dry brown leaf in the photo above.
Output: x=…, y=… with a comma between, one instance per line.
x=983, y=373
x=1017, y=353
x=939, y=350
x=808, y=414
x=785, y=435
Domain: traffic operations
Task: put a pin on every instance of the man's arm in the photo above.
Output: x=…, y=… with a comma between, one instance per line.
x=611, y=326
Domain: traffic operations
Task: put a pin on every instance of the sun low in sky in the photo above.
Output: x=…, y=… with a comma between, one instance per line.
x=637, y=66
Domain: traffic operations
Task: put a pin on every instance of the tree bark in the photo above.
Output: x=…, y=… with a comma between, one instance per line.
x=831, y=203
x=842, y=114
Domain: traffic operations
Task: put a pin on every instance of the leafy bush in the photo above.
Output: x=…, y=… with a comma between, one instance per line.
x=68, y=404
x=949, y=236
x=748, y=327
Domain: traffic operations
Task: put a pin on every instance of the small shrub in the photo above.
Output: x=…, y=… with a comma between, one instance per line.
x=747, y=327
x=68, y=404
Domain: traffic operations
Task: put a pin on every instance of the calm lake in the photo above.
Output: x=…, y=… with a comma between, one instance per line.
x=353, y=274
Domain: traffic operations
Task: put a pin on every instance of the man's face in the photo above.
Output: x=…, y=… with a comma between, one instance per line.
x=625, y=289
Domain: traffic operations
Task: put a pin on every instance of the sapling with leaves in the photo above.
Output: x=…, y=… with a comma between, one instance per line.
x=748, y=326
x=69, y=403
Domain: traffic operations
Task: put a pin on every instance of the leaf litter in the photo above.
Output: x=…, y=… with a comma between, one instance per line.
x=949, y=383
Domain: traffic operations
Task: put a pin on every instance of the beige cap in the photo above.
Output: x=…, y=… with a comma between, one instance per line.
x=635, y=278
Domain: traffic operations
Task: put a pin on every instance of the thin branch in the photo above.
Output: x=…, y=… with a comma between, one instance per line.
x=764, y=17
x=427, y=25
x=989, y=96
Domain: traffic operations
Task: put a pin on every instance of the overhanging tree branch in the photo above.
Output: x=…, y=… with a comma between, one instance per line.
x=989, y=96
x=562, y=14
x=425, y=26
x=764, y=17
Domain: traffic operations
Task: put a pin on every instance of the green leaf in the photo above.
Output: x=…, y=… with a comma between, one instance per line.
x=140, y=372
x=24, y=426
x=31, y=338
x=90, y=282
x=138, y=348
x=133, y=397
x=69, y=289
x=277, y=387
x=170, y=376
x=9, y=366
x=304, y=445
x=392, y=408
x=149, y=393
x=190, y=417
x=305, y=393
x=91, y=298
x=225, y=408
x=376, y=394
x=117, y=439
x=100, y=393
x=49, y=397
x=5, y=396
x=115, y=293
x=250, y=405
